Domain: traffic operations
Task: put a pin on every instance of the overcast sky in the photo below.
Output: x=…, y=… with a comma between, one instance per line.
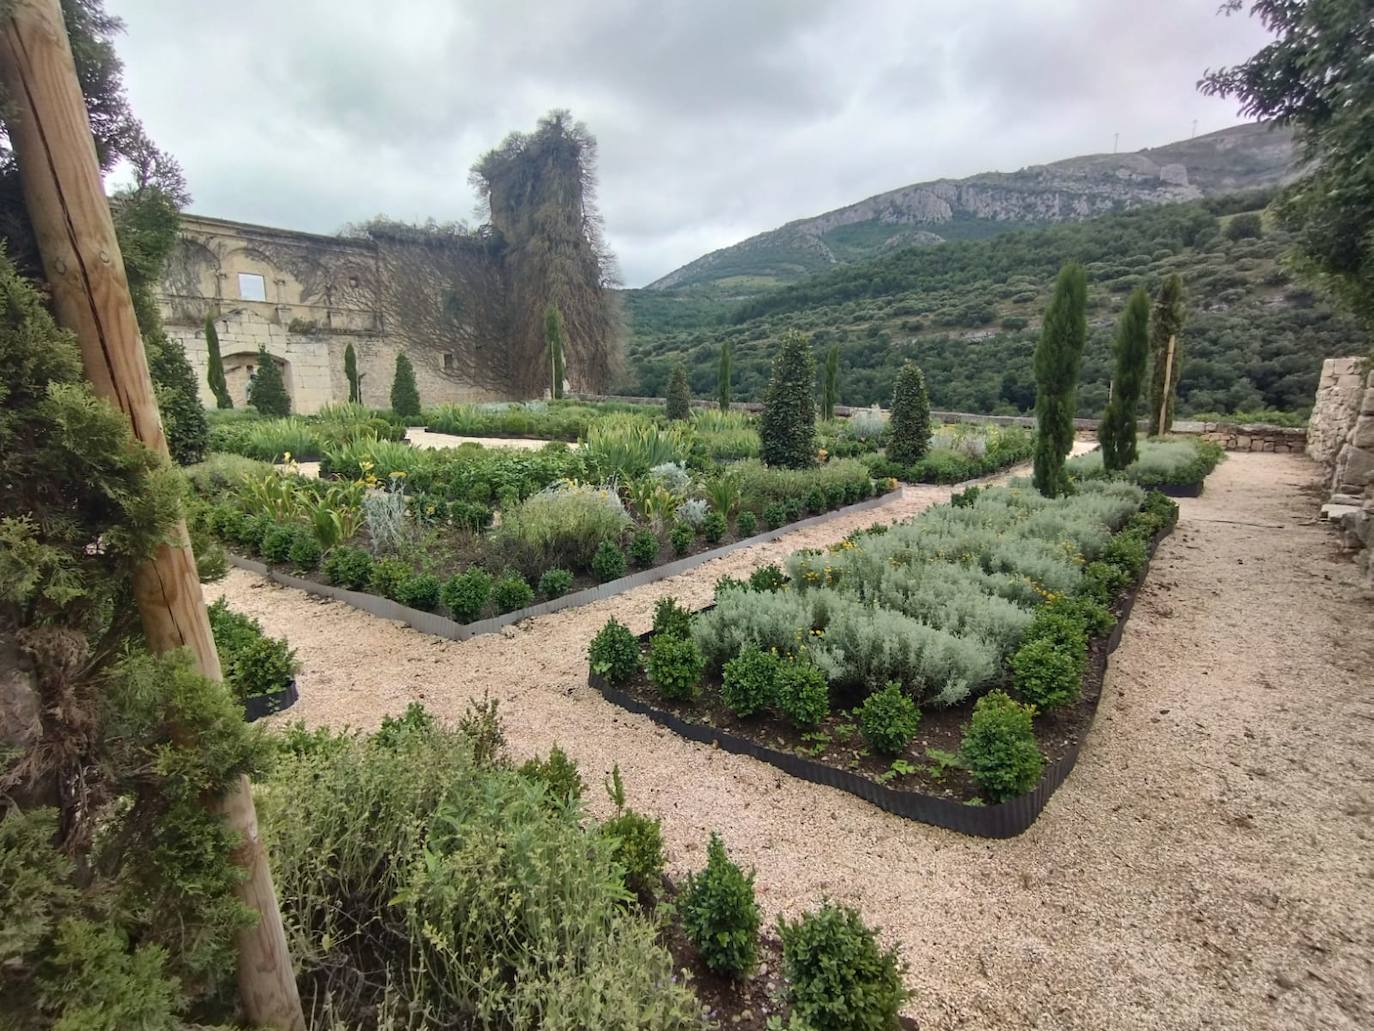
x=716, y=119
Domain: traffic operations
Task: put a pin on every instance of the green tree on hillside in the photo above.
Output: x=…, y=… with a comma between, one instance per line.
x=723, y=377
x=1117, y=433
x=214, y=371
x=405, y=396
x=553, y=337
x=679, y=405
x=355, y=382
x=1317, y=76
x=787, y=428
x=266, y=390
x=1166, y=323
x=830, y=392
x=1057, y=358
x=910, y=416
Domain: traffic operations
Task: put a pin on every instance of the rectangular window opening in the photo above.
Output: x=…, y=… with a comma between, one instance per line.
x=252, y=287
x=448, y=361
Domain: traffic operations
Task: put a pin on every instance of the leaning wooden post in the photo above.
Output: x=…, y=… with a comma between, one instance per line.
x=1168, y=379
x=49, y=130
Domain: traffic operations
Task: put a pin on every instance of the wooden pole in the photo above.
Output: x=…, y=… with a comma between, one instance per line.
x=1168, y=381
x=49, y=130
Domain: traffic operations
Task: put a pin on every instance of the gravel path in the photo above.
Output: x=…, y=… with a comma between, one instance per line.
x=1206, y=865
x=420, y=437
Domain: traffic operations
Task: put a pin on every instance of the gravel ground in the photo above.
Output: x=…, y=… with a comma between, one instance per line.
x=1207, y=865
x=420, y=437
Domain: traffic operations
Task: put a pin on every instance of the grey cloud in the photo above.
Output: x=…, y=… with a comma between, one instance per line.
x=716, y=118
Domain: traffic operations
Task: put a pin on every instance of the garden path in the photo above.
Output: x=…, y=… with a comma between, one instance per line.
x=1206, y=865
x=419, y=437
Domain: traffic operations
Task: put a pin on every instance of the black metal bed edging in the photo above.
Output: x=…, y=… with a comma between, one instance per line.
x=442, y=626
x=1003, y=820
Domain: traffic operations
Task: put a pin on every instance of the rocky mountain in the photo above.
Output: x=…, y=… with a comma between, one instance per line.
x=1246, y=157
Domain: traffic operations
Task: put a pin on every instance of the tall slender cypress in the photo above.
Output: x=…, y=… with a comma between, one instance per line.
x=405, y=395
x=214, y=366
x=723, y=377
x=679, y=406
x=1165, y=326
x=787, y=428
x=830, y=392
x=1117, y=433
x=1057, y=360
x=910, y=416
x=355, y=387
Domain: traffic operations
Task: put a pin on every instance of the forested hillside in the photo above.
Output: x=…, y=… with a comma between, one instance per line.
x=969, y=312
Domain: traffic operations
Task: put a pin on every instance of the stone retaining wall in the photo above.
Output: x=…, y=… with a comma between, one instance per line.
x=1248, y=436
x=1341, y=438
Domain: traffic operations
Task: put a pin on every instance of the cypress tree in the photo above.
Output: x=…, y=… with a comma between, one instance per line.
x=787, y=428
x=910, y=416
x=553, y=337
x=178, y=399
x=267, y=393
x=679, y=394
x=1057, y=359
x=1118, y=431
x=214, y=371
x=723, y=377
x=405, y=396
x=355, y=386
x=830, y=394
x=1165, y=324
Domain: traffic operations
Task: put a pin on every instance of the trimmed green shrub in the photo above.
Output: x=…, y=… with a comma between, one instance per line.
x=749, y=682
x=419, y=591
x=674, y=666
x=558, y=774
x=305, y=550
x=1128, y=552
x=644, y=548
x=802, y=693
x=609, y=562
x=728, y=583
x=999, y=747
x=746, y=523
x=510, y=592
x=720, y=915
x=787, y=428
x=388, y=577
x=555, y=583
x=910, y=423
x=275, y=546
x=679, y=403
x=266, y=391
x=637, y=841
x=252, y=662
x=774, y=516
x=767, y=578
x=465, y=595
x=1046, y=675
x=713, y=527
x=672, y=618
x=349, y=567
x=681, y=537
x=838, y=979
x=888, y=719
x=815, y=501
x=405, y=396
x=614, y=652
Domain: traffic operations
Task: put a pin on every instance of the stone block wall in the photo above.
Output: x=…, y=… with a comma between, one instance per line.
x=1280, y=440
x=1341, y=438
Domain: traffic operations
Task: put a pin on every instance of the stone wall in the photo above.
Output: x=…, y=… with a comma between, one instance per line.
x=1342, y=439
x=1280, y=440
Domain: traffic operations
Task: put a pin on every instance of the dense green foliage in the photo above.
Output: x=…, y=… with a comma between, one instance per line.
x=830, y=389
x=723, y=378
x=252, y=663
x=214, y=373
x=999, y=748
x=838, y=979
x=719, y=913
x=749, y=682
x=1057, y=359
x=888, y=720
x=910, y=425
x=1166, y=462
x=355, y=382
x=1117, y=433
x=674, y=666
x=614, y=652
x=1166, y=326
x=679, y=403
x=405, y=395
x=787, y=430
x=266, y=390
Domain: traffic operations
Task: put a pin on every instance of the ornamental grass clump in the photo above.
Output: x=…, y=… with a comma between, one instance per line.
x=999, y=748
x=720, y=915
x=888, y=720
x=838, y=978
x=560, y=526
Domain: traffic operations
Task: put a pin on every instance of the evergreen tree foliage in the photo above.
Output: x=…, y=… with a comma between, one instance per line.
x=1117, y=433
x=1057, y=359
x=214, y=373
x=910, y=416
x=723, y=378
x=355, y=382
x=830, y=394
x=178, y=398
x=553, y=337
x=405, y=395
x=267, y=392
x=679, y=406
x=787, y=428
x=1165, y=324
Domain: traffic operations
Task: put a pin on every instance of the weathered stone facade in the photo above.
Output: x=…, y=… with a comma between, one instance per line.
x=1341, y=438
x=304, y=298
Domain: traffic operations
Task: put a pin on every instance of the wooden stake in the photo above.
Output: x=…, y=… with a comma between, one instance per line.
x=49, y=130
x=1168, y=388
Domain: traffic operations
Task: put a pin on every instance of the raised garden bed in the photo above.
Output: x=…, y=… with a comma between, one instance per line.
x=256, y=707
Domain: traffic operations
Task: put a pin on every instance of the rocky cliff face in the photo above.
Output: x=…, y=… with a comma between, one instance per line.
x=1243, y=158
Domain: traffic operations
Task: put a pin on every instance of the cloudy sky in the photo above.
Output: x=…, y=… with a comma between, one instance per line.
x=716, y=119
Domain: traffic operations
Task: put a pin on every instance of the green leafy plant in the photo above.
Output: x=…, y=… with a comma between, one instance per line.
x=888, y=719
x=348, y=567
x=1057, y=359
x=510, y=592
x=999, y=748
x=1117, y=432
x=713, y=527
x=749, y=682
x=674, y=665
x=558, y=774
x=637, y=840
x=775, y=516
x=746, y=523
x=614, y=652
x=465, y=594
x=644, y=548
x=787, y=428
x=266, y=390
x=388, y=578
x=275, y=546
x=679, y=404
x=672, y=618
x=609, y=562
x=910, y=424
x=720, y=915
x=838, y=979
x=214, y=373
x=681, y=537
x=555, y=583
x=420, y=591
x=405, y=396
x=767, y=578
x=305, y=550
x=802, y=693
x=252, y=663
